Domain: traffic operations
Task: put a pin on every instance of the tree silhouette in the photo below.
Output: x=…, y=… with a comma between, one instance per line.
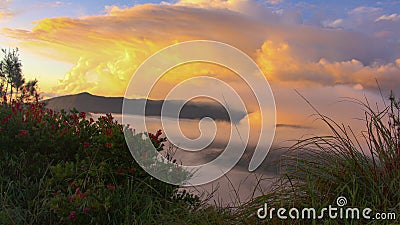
x=11, y=77
x=32, y=87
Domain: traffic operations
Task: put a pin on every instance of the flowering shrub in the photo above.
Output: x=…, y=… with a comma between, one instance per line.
x=63, y=167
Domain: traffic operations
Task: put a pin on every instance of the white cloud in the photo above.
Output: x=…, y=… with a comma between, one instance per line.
x=249, y=8
x=53, y=4
x=333, y=24
x=392, y=17
x=365, y=9
x=274, y=2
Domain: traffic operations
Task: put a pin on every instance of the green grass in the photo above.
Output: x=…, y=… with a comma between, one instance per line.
x=320, y=169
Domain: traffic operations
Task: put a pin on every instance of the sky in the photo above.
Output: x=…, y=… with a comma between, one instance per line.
x=324, y=49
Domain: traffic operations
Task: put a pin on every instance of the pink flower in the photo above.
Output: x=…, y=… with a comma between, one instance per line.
x=83, y=194
x=111, y=187
x=72, y=215
x=86, y=209
x=77, y=191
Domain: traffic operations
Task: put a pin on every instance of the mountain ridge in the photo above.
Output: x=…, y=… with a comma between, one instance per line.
x=87, y=102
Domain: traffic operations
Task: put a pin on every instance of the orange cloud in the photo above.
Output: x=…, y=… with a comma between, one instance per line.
x=107, y=49
x=278, y=61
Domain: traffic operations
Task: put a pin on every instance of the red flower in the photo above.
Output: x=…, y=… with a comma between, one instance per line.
x=22, y=133
x=18, y=105
x=72, y=198
x=86, y=144
x=83, y=115
x=50, y=111
x=132, y=170
x=5, y=119
x=109, y=132
x=109, y=117
x=86, y=209
x=72, y=184
x=111, y=187
x=72, y=215
x=57, y=192
x=108, y=145
x=119, y=171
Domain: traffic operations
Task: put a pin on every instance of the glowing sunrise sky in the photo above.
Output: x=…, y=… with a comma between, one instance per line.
x=324, y=49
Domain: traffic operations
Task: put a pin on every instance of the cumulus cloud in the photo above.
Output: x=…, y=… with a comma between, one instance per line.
x=279, y=62
x=107, y=49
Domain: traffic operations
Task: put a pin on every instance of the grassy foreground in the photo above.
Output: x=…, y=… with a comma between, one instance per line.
x=321, y=169
x=65, y=168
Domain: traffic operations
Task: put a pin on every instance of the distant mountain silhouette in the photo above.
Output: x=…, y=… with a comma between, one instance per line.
x=86, y=102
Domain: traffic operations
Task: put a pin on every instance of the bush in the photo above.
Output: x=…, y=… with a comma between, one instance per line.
x=62, y=167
